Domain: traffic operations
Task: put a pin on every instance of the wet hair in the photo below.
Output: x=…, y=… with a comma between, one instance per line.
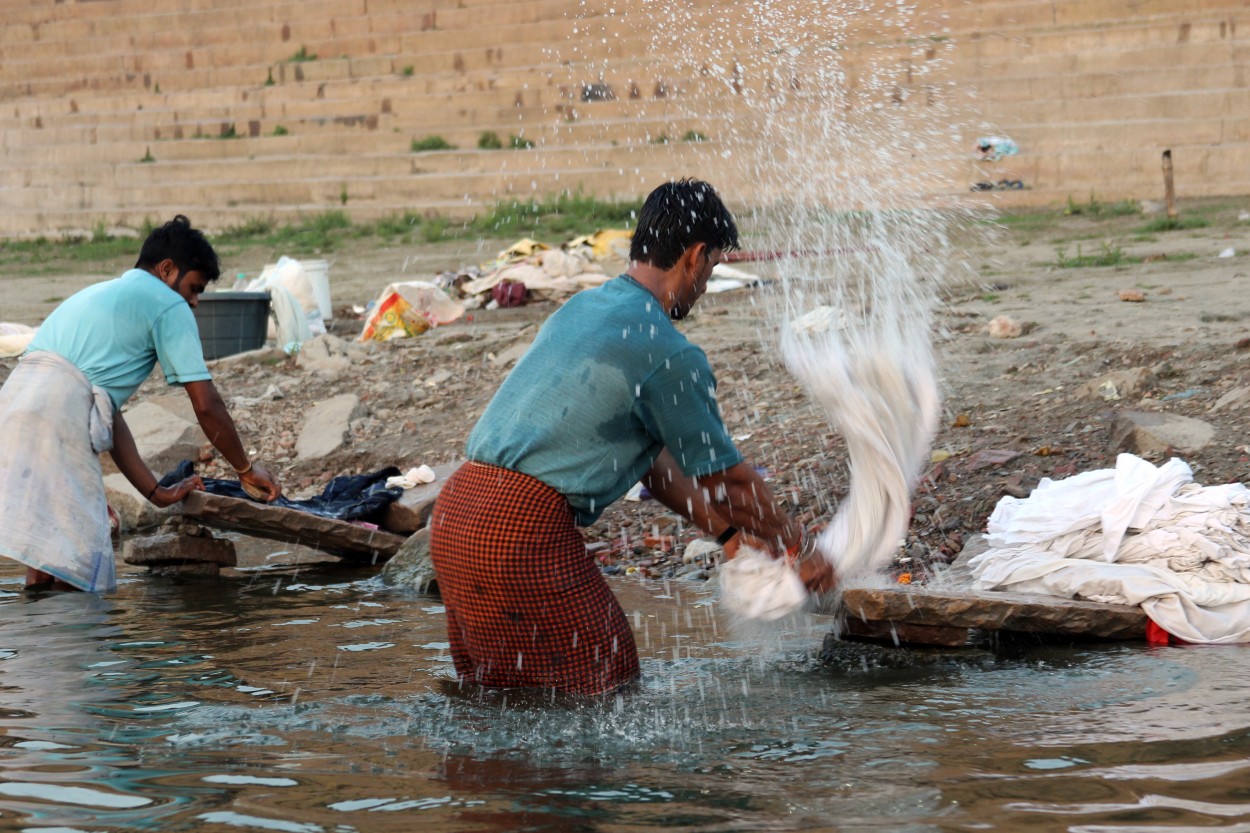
x=185, y=246
x=678, y=215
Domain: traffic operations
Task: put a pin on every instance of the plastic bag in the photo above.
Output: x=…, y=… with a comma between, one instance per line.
x=289, y=274
x=408, y=309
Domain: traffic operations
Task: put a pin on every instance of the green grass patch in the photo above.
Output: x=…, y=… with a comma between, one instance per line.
x=430, y=143
x=55, y=299
x=552, y=220
x=693, y=136
x=1160, y=224
x=407, y=71
x=1097, y=208
x=302, y=55
x=662, y=139
x=489, y=140
x=520, y=143
x=281, y=131
x=1107, y=255
x=556, y=217
x=1023, y=221
x=147, y=156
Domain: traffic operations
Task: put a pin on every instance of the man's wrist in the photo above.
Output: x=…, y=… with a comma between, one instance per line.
x=726, y=535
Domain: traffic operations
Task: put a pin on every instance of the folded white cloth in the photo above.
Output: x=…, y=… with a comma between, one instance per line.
x=1137, y=534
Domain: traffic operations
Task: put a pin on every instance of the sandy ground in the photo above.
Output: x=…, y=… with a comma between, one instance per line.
x=1017, y=396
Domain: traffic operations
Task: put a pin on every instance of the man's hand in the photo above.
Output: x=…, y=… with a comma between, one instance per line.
x=817, y=573
x=169, y=495
x=814, y=570
x=260, y=484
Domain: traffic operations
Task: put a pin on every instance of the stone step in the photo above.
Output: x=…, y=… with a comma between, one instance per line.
x=348, y=168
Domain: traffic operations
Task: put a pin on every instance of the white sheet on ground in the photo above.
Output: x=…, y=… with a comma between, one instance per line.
x=1137, y=534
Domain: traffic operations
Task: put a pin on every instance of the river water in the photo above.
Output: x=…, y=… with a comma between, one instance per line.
x=319, y=700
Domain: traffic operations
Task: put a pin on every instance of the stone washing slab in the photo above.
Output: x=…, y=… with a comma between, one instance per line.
x=989, y=610
x=412, y=511
x=339, y=538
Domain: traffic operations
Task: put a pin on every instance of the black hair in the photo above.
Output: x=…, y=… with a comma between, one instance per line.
x=678, y=215
x=185, y=246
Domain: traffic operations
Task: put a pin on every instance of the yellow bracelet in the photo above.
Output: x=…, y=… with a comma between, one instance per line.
x=244, y=471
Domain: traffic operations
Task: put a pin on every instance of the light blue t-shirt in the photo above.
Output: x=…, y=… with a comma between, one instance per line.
x=608, y=383
x=116, y=331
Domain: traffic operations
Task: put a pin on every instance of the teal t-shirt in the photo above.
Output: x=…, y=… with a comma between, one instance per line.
x=608, y=383
x=116, y=331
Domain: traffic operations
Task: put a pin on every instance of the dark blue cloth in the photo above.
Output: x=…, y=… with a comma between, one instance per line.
x=356, y=497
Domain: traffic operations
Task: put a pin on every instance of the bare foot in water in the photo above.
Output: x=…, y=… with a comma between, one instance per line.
x=38, y=580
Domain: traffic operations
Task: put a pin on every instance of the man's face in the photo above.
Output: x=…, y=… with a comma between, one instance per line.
x=190, y=284
x=695, y=285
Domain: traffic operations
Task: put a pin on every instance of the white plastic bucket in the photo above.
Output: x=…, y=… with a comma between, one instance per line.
x=318, y=274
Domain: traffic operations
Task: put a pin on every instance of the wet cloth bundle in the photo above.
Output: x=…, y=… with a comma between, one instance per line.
x=526, y=605
x=879, y=389
x=1137, y=534
x=53, y=511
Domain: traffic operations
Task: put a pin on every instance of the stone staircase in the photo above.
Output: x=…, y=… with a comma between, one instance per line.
x=119, y=111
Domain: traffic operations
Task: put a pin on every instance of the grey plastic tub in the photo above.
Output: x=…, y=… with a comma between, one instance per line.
x=232, y=322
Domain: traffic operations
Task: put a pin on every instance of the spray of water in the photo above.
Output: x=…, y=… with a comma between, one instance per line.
x=835, y=130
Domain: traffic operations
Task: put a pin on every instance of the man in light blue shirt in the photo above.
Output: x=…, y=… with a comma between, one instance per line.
x=61, y=407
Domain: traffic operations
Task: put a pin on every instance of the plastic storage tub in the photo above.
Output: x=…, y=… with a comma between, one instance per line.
x=232, y=322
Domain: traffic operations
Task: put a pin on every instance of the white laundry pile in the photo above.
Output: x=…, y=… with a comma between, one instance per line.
x=1137, y=534
x=877, y=387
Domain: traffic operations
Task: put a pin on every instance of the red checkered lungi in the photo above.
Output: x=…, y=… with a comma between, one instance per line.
x=526, y=605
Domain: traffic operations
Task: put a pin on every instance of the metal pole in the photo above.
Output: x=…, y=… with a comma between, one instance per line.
x=1169, y=191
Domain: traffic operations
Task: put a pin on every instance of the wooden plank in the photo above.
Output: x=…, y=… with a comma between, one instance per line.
x=339, y=538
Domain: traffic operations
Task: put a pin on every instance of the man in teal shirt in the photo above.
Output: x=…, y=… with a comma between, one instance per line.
x=610, y=393
x=61, y=407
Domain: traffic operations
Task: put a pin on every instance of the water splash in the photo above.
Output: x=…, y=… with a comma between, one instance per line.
x=841, y=137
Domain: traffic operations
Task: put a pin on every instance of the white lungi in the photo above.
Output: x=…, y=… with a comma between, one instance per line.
x=54, y=424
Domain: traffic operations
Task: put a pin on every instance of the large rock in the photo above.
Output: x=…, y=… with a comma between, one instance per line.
x=328, y=426
x=268, y=356
x=1148, y=432
x=512, y=354
x=412, y=511
x=412, y=567
x=132, y=508
x=178, y=404
x=1237, y=399
x=330, y=356
x=163, y=438
x=190, y=550
x=1120, y=384
x=349, y=541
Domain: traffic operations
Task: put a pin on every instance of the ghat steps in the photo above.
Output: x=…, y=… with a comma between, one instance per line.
x=1091, y=90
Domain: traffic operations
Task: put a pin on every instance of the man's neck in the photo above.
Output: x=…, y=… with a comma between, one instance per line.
x=656, y=281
